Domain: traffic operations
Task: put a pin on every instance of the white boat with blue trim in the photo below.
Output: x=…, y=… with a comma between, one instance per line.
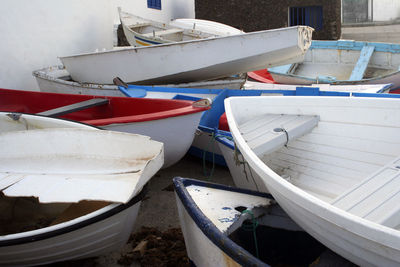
x=242, y=228
x=68, y=190
x=332, y=163
x=191, y=61
x=144, y=32
x=343, y=62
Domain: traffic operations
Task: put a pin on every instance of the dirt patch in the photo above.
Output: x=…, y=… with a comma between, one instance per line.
x=152, y=247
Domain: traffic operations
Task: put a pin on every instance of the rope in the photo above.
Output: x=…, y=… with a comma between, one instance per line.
x=244, y=163
x=210, y=174
x=252, y=227
x=211, y=142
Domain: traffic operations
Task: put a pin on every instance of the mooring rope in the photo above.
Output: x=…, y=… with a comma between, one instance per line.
x=252, y=227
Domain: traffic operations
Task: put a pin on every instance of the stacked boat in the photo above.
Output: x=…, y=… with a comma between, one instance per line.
x=312, y=158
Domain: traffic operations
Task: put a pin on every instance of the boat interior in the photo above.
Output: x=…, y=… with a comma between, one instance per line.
x=347, y=158
x=338, y=65
x=22, y=214
x=167, y=34
x=81, y=107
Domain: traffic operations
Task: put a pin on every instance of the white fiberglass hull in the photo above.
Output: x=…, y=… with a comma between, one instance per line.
x=94, y=234
x=309, y=198
x=177, y=134
x=192, y=60
x=56, y=79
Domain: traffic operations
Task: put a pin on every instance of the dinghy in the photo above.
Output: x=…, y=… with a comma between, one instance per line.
x=204, y=144
x=56, y=79
x=332, y=164
x=343, y=62
x=144, y=32
x=226, y=232
x=68, y=193
x=173, y=122
x=190, y=61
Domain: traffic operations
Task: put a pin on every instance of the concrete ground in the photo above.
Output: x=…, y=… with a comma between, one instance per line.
x=381, y=33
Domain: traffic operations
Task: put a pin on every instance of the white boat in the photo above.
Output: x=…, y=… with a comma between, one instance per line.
x=332, y=164
x=56, y=79
x=355, y=88
x=68, y=193
x=144, y=32
x=343, y=62
x=190, y=61
x=222, y=234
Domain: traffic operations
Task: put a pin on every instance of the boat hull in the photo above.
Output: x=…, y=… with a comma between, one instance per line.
x=177, y=134
x=362, y=241
x=92, y=235
x=242, y=174
x=213, y=58
x=56, y=79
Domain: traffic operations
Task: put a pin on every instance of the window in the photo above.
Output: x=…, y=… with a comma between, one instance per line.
x=154, y=4
x=308, y=15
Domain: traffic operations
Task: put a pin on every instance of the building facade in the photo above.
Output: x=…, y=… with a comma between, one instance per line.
x=35, y=33
x=255, y=15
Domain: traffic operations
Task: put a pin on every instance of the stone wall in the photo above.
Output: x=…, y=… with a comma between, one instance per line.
x=255, y=15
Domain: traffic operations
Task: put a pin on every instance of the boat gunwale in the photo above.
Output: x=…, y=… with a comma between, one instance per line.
x=208, y=228
x=71, y=225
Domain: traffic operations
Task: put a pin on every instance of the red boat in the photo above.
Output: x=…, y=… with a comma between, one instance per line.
x=170, y=121
x=262, y=76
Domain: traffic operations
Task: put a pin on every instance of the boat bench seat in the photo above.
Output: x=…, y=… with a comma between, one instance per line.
x=270, y=132
x=362, y=63
x=377, y=197
x=74, y=107
x=138, y=25
x=163, y=32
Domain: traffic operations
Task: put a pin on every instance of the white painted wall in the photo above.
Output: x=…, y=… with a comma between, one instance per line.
x=35, y=32
x=386, y=10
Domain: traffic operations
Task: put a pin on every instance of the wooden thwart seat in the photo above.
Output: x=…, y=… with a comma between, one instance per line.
x=377, y=197
x=138, y=25
x=163, y=32
x=362, y=63
x=74, y=107
x=270, y=132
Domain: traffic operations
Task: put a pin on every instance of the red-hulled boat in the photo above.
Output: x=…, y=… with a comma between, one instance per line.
x=170, y=121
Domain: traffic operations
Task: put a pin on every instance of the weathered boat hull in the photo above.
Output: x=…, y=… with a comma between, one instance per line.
x=94, y=234
x=177, y=134
x=56, y=79
x=206, y=244
x=204, y=59
x=214, y=235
